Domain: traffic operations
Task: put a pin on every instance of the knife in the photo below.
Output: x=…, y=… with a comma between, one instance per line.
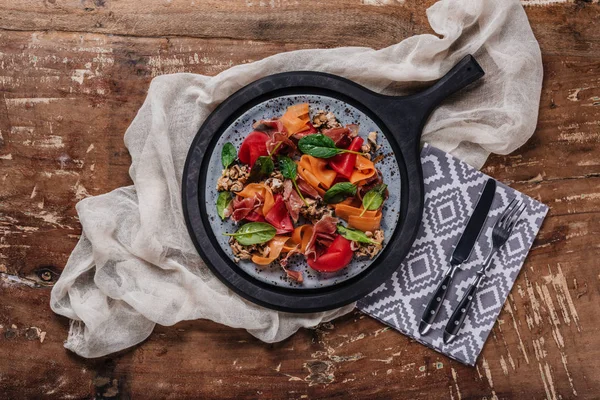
x=462, y=251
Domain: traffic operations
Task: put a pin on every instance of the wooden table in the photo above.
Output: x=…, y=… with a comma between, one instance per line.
x=74, y=73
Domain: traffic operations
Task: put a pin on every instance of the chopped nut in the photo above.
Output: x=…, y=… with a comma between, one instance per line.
x=324, y=119
x=242, y=252
x=277, y=175
x=275, y=184
x=370, y=250
x=233, y=178
x=266, y=251
x=223, y=184
x=378, y=236
x=239, y=251
x=365, y=148
x=236, y=187
x=372, y=140
x=315, y=210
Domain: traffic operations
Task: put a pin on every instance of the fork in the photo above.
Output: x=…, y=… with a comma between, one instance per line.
x=500, y=234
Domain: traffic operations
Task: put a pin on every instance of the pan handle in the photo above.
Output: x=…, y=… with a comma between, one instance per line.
x=461, y=75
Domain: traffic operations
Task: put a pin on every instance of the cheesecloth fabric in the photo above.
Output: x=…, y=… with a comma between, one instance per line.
x=135, y=265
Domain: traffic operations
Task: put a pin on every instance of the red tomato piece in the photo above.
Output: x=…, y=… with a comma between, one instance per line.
x=254, y=146
x=337, y=256
x=279, y=217
x=344, y=163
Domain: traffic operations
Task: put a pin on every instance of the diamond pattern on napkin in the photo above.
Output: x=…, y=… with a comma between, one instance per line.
x=451, y=191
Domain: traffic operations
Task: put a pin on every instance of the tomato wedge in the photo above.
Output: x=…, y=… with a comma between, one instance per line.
x=279, y=217
x=254, y=146
x=337, y=256
x=344, y=163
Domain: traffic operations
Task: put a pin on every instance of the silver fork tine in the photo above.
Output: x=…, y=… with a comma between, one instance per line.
x=516, y=217
x=510, y=215
x=506, y=212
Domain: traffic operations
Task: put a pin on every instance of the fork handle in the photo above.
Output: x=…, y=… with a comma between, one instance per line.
x=457, y=319
x=460, y=312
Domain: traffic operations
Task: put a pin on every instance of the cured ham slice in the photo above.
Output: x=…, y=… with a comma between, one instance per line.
x=279, y=143
x=323, y=233
x=269, y=126
x=242, y=207
x=292, y=200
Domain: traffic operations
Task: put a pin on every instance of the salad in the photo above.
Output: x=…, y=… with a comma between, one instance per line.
x=303, y=187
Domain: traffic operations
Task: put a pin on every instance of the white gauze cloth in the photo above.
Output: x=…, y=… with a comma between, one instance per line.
x=135, y=265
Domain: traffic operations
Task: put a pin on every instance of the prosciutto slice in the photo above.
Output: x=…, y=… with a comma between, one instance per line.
x=307, y=189
x=324, y=233
x=294, y=275
x=245, y=208
x=353, y=130
x=342, y=136
x=292, y=200
x=280, y=143
x=269, y=126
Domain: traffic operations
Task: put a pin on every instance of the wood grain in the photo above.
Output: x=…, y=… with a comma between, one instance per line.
x=74, y=73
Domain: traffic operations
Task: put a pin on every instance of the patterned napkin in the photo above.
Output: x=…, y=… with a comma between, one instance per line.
x=451, y=192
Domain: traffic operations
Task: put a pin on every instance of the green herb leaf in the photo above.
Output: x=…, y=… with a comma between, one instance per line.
x=289, y=170
x=222, y=203
x=374, y=198
x=228, y=155
x=339, y=192
x=321, y=146
x=355, y=235
x=288, y=167
x=318, y=145
x=254, y=233
x=262, y=168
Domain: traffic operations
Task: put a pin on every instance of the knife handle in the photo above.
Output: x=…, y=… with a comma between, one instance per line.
x=460, y=312
x=435, y=304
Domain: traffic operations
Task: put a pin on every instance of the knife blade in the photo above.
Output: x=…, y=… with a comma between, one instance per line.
x=462, y=252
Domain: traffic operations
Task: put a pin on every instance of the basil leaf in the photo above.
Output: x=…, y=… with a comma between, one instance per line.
x=321, y=146
x=222, y=203
x=262, y=168
x=228, y=155
x=339, y=192
x=318, y=145
x=254, y=233
x=288, y=167
x=374, y=198
x=289, y=170
x=355, y=235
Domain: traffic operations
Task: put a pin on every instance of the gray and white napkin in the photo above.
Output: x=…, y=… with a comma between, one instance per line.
x=451, y=191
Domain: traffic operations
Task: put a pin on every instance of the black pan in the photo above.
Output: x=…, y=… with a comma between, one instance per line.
x=400, y=119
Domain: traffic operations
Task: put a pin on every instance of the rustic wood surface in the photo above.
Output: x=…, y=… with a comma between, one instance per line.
x=72, y=76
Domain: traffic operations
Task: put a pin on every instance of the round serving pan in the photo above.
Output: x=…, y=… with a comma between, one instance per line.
x=400, y=119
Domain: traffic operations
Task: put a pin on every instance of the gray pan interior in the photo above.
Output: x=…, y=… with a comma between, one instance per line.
x=274, y=107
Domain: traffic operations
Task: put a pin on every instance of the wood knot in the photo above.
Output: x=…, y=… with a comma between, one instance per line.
x=32, y=333
x=11, y=333
x=46, y=275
